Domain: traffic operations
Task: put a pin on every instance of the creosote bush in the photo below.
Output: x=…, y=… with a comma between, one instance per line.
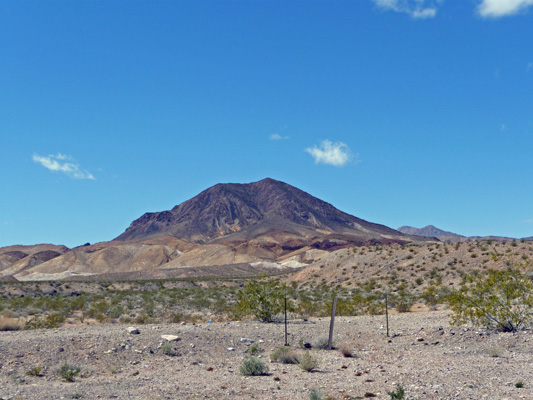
x=500, y=300
x=253, y=366
x=263, y=299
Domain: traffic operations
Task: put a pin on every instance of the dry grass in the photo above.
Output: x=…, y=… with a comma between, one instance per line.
x=10, y=324
x=347, y=349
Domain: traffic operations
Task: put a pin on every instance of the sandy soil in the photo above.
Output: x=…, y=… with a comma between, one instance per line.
x=430, y=359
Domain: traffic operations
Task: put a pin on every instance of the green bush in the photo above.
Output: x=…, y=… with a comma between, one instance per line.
x=264, y=300
x=34, y=371
x=170, y=350
x=253, y=349
x=403, y=304
x=69, y=372
x=397, y=394
x=53, y=320
x=253, y=366
x=501, y=300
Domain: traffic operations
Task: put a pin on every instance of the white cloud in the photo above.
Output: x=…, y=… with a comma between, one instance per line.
x=502, y=8
x=336, y=154
x=277, y=136
x=418, y=9
x=529, y=67
x=63, y=163
x=529, y=221
x=503, y=127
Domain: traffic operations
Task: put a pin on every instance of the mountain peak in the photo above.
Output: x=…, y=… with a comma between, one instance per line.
x=236, y=211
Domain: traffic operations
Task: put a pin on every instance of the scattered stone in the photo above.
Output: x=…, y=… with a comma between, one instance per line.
x=171, y=338
x=132, y=330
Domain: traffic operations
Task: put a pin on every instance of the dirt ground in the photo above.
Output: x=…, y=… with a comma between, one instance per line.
x=423, y=354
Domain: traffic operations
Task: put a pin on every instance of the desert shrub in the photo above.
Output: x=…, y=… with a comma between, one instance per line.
x=170, y=350
x=36, y=371
x=264, y=300
x=321, y=342
x=501, y=301
x=69, y=372
x=253, y=366
x=375, y=308
x=496, y=351
x=346, y=349
x=282, y=354
x=307, y=362
x=430, y=296
x=253, y=349
x=397, y=394
x=10, y=324
x=49, y=321
x=519, y=384
x=315, y=394
x=403, y=304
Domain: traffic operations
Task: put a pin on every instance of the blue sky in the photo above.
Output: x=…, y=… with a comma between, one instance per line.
x=401, y=112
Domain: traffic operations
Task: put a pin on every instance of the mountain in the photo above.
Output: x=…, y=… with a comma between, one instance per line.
x=267, y=209
x=431, y=231
x=228, y=229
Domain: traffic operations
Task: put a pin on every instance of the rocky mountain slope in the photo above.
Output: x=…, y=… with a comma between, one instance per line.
x=229, y=212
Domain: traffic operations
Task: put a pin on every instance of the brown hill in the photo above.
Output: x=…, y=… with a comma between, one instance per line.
x=17, y=258
x=267, y=209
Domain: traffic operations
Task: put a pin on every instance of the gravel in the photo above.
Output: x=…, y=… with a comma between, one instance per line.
x=423, y=354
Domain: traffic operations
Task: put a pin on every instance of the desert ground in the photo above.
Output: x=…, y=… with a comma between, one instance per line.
x=424, y=354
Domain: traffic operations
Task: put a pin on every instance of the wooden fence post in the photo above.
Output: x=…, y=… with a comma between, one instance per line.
x=387, y=313
x=333, y=309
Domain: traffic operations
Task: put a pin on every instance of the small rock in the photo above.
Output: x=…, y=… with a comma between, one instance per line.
x=132, y=330
x=170, y=338
x=243, y=339
x=231, y=349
